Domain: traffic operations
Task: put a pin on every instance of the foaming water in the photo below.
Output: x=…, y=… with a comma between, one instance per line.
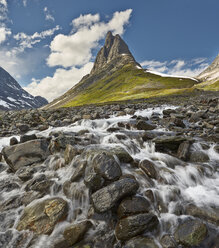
x=178, y=182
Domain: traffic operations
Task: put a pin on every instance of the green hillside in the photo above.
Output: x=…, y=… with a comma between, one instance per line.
x=210, y=86
x=130, y=83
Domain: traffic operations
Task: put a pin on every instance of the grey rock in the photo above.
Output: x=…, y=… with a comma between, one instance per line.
x=134, y=225
x=105, y=198
x=26, y=154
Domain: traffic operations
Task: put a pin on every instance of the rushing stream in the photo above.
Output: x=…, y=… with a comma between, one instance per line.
x=178, y=183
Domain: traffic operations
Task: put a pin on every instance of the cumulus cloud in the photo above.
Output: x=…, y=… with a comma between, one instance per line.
x=76, y=49
x=59, y=83
x=48, y=15
x=177, y=67
x=4, y=33
x=85, y=20
x=3, y=10
x=27, y=41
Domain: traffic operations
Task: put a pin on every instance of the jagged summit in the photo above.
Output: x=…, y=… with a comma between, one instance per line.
x=212, y=71
x=113, y=48
x=13, y=96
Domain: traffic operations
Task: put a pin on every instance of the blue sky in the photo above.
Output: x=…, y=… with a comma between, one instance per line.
x=48, y=45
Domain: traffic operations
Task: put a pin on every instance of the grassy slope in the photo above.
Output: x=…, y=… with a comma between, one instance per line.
x=130, y=83
x=209, y=86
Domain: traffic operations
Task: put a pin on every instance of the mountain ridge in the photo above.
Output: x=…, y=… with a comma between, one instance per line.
x=14, y=97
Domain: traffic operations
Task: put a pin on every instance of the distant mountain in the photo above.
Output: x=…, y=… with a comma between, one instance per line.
x=210, y=76
x=13, y=96
x=117, y=76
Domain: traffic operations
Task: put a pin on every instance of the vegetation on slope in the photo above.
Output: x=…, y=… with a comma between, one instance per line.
x=130, y=83
x=210, y=86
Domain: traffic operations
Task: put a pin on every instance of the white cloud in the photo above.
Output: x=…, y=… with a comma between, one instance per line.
x=27, y=41
x=76, y=49
x=85, y=20
x=59, y=83
x=177, y=67
x=25, y=3
x=48, y=15
x=4, y=32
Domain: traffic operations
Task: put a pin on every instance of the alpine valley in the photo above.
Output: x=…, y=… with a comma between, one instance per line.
x=127, y=158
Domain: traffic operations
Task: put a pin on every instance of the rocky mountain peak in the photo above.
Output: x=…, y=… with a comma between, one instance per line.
x=113, y=49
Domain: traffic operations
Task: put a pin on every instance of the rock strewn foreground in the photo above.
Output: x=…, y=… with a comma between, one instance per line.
x=110, y=183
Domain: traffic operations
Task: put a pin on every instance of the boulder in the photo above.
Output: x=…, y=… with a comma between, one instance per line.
x=198, y=156
x=191, y=232
x=70, y=153
x=75, y=232
x=143, y=125
x=168, y=143
x=168, y=241
x=206, y=214
x=133, y=205
x=183, y=151
x=13, y=141
x=79, y=171
x=106, y=166
x=25, y=138
x=42, y=216
x=134, y=225
x=26, y=154
x=149, y=168
x=105, y=198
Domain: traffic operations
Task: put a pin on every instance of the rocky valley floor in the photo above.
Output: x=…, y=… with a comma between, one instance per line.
x=140, y=174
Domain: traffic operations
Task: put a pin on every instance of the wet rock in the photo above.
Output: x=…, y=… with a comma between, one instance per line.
x=23, y=127
x=134, y=225
x=39, y=183
x=8, y=185
x=25, y=173
x=75, y=232
x=149, y=168
x=198, y=156
x=191, y=232
x=59, y=143
x=133, y=205
x=26, y=154
x=216, y=148
x=105, y=198
x=25, y=138
x=30, y=196
x=141, y=242
x=42, y=217
x=122, y=154
x=70, y=153
x=79, y=171
x=168, y=241
x=179, y=122
x=143, y=125
x=183, y=151
x=106, y=166
x=93, y=180
x=168, y=143
x=206, y=214
x=13, y=141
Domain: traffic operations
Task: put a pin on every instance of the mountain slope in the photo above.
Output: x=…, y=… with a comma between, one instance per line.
x=13, y=96
x=117, y=76
x=210, y=76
